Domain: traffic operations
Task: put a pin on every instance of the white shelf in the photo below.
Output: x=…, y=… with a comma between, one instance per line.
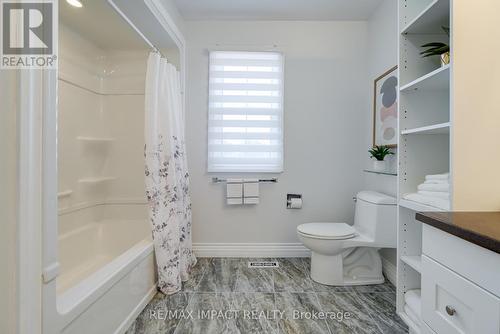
x=380, y=172
x=65, y=193
x=95, y=139
x=435, y=129
x=94, y=180
x=431, y=19
x=417, y=206
x=439, y=79
x=414, y=261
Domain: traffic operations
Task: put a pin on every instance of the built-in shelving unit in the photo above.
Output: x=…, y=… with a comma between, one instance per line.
x=425, y=124
x=391, y=173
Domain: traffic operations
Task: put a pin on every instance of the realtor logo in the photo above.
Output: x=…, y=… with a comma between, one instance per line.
x=28, y=34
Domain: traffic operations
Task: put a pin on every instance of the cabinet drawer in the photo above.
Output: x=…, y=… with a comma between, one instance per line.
x=452, y=304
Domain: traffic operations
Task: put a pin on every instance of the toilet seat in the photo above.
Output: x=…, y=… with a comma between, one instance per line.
x=330, y=231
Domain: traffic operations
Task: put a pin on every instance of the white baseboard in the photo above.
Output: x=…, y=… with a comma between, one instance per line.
x=263, y=250
x=389, y=271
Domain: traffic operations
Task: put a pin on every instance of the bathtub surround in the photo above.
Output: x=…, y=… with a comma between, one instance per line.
x=167, y=177
x=281, y=298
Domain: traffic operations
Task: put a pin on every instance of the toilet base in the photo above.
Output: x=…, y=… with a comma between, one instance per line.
x=355, y=266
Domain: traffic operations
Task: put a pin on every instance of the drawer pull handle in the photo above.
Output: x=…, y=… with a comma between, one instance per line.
x=450, y=310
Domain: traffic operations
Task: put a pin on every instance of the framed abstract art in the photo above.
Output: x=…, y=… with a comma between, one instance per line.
x=385, y=109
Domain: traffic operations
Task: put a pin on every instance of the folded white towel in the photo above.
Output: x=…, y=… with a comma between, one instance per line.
x=444, y=176
x=413, y=317
x=251, y=191
x=234, y=191
x=436, y=202
x=441, y=187
x=436, y=194
x=413, y=300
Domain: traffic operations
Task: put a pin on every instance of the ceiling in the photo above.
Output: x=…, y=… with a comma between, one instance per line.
x=277, y=9
x=98, y=22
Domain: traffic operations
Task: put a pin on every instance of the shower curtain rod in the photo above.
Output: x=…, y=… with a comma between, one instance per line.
x=144, y=38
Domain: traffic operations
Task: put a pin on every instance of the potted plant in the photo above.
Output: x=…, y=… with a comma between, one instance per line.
x=379, y=153
x=438, y=49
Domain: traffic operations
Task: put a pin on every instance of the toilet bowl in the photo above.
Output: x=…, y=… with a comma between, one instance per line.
x=342, y=254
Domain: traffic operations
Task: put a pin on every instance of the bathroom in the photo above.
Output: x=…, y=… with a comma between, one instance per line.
x=226, y=166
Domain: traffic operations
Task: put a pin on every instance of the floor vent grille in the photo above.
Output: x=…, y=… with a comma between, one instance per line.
x=263, y=264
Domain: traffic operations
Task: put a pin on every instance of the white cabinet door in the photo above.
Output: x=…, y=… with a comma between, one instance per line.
x=451, y=304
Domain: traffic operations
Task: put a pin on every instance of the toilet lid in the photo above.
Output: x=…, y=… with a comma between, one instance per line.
x=327, y=230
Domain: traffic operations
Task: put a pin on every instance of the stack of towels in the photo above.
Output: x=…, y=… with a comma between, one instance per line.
x=413, y=307
x=435, y=191
x=242, y=191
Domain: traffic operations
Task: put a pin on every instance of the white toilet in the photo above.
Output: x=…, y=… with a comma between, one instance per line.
x=348, y=255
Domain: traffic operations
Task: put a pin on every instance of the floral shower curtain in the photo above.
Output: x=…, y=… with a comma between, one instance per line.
x=167, y=178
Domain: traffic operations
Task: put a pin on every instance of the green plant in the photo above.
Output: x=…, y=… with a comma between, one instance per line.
x=436, y=48
x=380, y=152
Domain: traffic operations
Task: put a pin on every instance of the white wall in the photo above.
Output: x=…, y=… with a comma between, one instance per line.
x=382, y=55
x=325, y=104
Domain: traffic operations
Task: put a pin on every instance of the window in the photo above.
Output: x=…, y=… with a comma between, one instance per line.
x=245, y=117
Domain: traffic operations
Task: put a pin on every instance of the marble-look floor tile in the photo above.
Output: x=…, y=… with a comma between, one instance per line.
x=196, y=274
x=256, y=312
x=389, y=323
x=379, y=301
x=291, y=276
x=348, y=313
x=253, y=279
x=155, y=317
x=220, y=275
x=384, y=287
x=298, y=308
x=203, y=321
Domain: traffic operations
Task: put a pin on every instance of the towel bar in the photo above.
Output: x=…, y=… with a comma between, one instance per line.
x=271, y=180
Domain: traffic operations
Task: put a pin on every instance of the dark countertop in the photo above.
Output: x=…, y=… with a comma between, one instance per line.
x=480, y=228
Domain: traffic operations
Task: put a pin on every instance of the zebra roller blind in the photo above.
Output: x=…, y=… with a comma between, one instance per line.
x=245, y=122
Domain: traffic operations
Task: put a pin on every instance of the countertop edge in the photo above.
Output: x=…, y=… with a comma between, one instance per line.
x=465, y=234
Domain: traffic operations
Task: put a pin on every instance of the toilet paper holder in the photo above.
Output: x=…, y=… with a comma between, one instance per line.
x=289, y=198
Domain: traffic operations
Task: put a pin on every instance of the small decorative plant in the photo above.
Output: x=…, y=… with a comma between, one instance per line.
x=438, y=49
x=380, y=152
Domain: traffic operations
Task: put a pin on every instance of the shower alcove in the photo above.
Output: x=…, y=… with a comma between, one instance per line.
x=97, y=248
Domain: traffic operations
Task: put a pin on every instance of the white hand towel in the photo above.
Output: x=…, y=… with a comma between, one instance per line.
x=444, y=176
x=234, y=191
x=440, y=187
x=436, y=194
x=427, y=200
x=251, y=191
x=413, y=300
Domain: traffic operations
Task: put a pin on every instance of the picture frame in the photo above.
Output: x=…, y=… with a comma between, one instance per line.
x=385, y=108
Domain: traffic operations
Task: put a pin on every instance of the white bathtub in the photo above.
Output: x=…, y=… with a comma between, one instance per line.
x=106, y=277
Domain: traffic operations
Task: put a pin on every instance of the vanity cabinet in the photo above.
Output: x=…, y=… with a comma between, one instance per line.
x=460, y=285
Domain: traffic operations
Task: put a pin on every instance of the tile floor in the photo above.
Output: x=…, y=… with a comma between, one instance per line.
x=225, y=296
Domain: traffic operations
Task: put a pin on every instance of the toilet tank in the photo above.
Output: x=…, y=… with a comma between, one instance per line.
x=375, y=217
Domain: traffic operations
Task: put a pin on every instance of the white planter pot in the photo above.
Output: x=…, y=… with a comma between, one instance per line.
x=379, y=166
